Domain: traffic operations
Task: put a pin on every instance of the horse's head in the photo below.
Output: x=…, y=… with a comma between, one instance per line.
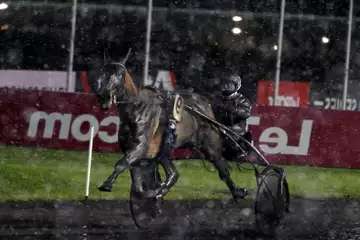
x=111, y=83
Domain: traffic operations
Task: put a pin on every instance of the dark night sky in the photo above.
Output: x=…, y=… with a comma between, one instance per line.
x=319, y=7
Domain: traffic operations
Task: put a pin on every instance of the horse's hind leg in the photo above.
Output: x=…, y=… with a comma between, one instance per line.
x=164, y=155
x=213, y=152
x=224, y=174
x=172, y=175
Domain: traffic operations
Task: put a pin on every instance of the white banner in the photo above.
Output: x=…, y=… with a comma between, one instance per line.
x=164, y=79
x=37, y=80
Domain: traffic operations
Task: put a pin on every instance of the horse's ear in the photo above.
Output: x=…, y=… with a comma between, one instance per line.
x=126, y=57
x=105, y=56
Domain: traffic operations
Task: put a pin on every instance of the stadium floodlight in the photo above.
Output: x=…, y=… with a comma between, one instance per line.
x=237, y=18
x=236, y=30
x=3, y=6
x=325, y=39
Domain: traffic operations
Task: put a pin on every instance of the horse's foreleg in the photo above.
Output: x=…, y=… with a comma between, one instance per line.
x=138, y=148
x=120, y=166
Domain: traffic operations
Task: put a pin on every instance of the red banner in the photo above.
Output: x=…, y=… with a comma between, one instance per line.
x=291, y=94
x=285, y=135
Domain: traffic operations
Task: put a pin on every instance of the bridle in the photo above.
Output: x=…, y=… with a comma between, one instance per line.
x=119, y=89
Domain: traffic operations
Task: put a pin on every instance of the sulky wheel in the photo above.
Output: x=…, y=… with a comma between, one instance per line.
x=272, y=200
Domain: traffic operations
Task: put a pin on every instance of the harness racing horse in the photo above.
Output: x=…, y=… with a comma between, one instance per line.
x=143, y=116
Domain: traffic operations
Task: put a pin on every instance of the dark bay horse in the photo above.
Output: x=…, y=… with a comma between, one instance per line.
x=143, y=121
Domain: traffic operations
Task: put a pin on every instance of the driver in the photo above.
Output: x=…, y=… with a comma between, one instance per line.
x=236, y=107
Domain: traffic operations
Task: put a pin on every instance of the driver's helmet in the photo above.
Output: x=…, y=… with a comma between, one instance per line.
x=231, y=86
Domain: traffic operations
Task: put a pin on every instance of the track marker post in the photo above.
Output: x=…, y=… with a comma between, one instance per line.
x=89, y=165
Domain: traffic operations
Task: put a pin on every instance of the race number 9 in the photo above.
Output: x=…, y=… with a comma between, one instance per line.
x=178, y=107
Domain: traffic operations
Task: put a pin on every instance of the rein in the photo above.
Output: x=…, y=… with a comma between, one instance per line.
x=158, y=95
x=126, y=102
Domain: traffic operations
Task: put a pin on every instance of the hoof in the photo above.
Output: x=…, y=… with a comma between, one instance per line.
x=239, y=193
x=105, y=188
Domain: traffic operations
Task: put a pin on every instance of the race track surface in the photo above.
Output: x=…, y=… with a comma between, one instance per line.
x=197, y=219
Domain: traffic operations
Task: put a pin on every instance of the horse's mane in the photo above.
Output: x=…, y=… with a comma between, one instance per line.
x=129, y=83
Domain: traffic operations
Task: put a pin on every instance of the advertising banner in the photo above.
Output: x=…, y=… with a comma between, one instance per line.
x=325, y=96
x=285, y=135
x=37, y=80
x=291, y=94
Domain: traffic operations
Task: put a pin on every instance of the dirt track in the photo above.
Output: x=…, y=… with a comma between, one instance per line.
x=309, y=219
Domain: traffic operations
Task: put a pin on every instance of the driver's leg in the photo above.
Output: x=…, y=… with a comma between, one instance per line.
x=248, y=136
x=240, y=130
